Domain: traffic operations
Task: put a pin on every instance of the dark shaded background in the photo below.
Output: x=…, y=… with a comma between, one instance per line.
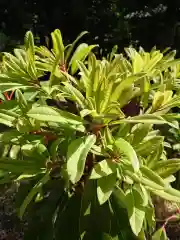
x=121, y=22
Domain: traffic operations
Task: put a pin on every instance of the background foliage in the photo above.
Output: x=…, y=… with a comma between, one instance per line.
x=110, y=22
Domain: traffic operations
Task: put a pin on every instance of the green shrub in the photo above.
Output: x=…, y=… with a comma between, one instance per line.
x=83, y=146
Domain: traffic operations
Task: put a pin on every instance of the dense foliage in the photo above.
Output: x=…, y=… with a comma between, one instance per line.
x=80, y=138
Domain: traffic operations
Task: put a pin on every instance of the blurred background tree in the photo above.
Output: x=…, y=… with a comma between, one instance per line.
x=110, y=22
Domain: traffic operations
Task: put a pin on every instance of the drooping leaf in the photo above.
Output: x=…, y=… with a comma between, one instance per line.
x=76, y=156
x=32, y=193
x=136, y=211
x=54, y=148
x=105, y=186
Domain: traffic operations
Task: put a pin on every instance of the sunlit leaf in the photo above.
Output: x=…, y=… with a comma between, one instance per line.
x=125, y=148
x=76, y=156
x=136, y=211
x=105, y=186
x=102, y=169
x=50, y=114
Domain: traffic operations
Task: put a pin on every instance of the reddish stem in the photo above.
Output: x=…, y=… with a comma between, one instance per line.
x=63, y=68
x=174, y=217
x=7, y=96
x=11, y=95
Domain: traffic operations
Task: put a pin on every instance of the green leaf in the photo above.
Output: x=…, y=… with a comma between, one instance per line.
x=12, y=136
x=144, y=194
x=86, y=112
x=152, y=63
x=136, y=211
x=151, y=175
x=124, y=84
x=105, y=186
x=2, y=96
x=103, y=168
x=54, y=148
x=49, y=114
x=14, y=65
x=147, y=147
x=150, y=217
x=81, y=53
x=7, y=118
x=125, y=148
x=15, y=150
x=166, y=164
x=173, y=116
x=30, y=95
x=153, y=158
x=23, y=125
x=75, y=94
x=32, y=193
x=76, y=156
x=107, y=97
x=166, y=172
x=19, y=166
x=71, y=48
x=11, y=86
x=142, y=180
x=140, y=132
x=138, y=63
x=21, y=100
x=29, y=43
x=35, y=149
x=124, y=130
x=120, y=196
x=146, y=118
x=109, y=237
x=172, y=191
x=30, y=49
x=165, y=195
x=58, y=46
x=121, y=218
x=160, y=234
x=108, y=136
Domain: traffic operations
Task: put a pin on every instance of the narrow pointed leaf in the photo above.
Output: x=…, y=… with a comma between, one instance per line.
x=32, y=194
x=50, y=114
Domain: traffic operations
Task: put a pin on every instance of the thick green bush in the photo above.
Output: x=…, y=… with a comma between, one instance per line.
x=80, y=138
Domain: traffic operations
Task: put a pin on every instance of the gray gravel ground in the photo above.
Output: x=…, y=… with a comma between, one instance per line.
x=10, y=226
